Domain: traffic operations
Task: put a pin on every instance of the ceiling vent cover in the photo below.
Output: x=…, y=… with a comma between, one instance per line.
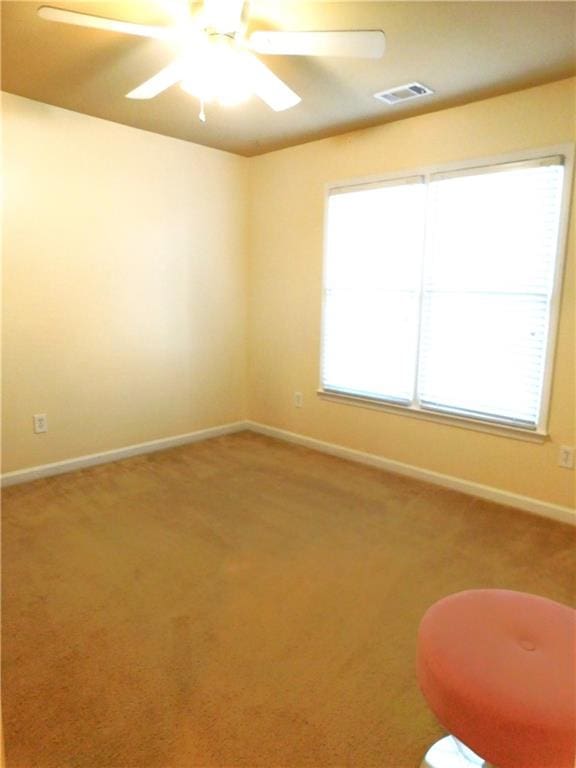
x=403, y=93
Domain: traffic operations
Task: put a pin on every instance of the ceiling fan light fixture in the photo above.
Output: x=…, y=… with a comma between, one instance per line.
x=216, y=73
x=229, y=75
x=207, y=90
x=234, y=94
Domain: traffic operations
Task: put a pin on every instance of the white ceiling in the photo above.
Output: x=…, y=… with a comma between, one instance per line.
x=463, y=50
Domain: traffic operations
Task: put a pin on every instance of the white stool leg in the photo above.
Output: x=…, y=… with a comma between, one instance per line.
x=451, y=753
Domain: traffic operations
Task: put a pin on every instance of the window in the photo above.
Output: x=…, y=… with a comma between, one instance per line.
x=440, y=290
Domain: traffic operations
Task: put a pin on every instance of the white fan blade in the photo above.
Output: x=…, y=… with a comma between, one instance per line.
x=164, y=79
x=99, y=22
x=369, y=44
x=267, y=86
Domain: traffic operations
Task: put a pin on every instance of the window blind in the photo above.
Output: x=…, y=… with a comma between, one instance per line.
x=371, y=289
x=438, y=290
x=488, y=279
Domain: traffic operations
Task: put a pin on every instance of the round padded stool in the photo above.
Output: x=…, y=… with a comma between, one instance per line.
x=498, y=669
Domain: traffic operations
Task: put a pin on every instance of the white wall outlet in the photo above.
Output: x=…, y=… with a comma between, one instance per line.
x=40, y=423
x=566, y=457
x=298, y=400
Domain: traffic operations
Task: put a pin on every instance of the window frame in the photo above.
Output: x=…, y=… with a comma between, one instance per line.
x=541, y=432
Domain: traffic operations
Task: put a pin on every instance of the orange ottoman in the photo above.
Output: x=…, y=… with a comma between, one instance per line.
x=498, y=669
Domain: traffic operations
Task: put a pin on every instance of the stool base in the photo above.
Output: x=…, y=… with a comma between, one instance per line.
x=451, y=753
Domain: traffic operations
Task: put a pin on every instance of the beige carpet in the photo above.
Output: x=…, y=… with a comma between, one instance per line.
x=241, y=603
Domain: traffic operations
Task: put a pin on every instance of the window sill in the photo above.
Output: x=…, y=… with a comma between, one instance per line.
x=501, y=430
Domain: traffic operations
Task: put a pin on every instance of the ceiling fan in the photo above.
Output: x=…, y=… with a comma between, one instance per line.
x=215, y=57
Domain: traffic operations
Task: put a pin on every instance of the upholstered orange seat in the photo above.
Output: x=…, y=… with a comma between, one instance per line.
x=498, y=669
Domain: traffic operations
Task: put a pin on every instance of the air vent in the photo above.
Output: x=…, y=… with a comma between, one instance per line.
x=403, y=93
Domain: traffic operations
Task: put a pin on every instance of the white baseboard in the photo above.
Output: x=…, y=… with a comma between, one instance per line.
x=526, y=503
x=81, y=462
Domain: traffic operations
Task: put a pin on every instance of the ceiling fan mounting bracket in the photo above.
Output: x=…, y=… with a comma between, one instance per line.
x=214, y=34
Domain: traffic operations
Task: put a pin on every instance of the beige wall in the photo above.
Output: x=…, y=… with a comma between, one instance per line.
x=285, y=262
x=128, y=259
x=124, y=285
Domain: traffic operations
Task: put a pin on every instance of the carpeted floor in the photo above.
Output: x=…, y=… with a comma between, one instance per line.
x=242, y=603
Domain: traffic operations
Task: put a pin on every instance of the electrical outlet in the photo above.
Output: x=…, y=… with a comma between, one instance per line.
x=40, y=423
x=566, y=457
x=298, y=400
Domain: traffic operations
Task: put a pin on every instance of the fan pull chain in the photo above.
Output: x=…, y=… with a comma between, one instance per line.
x=202, y=114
